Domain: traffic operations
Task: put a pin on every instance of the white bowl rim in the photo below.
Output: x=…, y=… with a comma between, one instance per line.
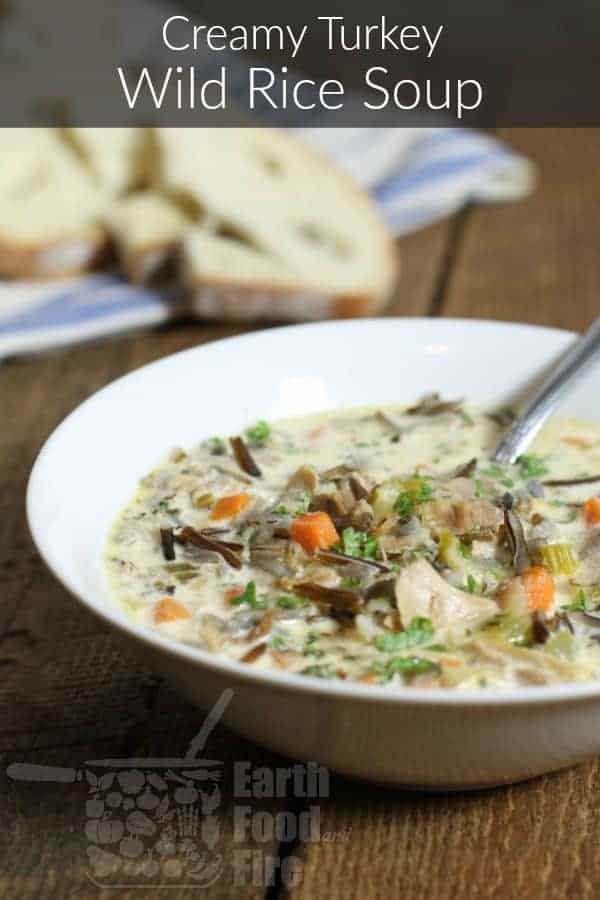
x=465, y=697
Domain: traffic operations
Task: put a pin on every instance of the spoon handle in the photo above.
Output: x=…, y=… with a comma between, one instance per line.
x=571, y=367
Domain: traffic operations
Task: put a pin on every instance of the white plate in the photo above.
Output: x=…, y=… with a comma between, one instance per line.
x=88, y=469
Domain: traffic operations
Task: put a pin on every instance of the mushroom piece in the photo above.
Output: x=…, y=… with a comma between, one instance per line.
x=476, y=515
x=466, y=470
x=420, y=591
x=335, y=600
x=438, y=516
x=305, y=478
x=391, y=544
x=360, y=486
x=433, y=405
x=461, y=517
x=512, y=597
x=362, y=516
x=335, y=503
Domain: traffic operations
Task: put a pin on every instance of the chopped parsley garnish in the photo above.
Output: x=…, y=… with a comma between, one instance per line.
x=495, y=471
x=467, y=419
x=531, y=466
x=471, y=584
x=304, y=504
x=479, y=490
x=351, y=581
x=464, y=550
x=258, y=434
x=419, y=632
x=291, y=602
x=318, y=672
x=164, y=506
x=216, y=445
x=310, y=648
x=578, y=604
x=249, y=597
x=408, y=666
x=357, y=543
x=281, y=510
x=406, y=501
x=277, y=642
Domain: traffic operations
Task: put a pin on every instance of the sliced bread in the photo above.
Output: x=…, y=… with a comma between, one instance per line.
x=119, y=159
x=147, y=230
x=260, y=225
x=50, y=209
x=279, y=232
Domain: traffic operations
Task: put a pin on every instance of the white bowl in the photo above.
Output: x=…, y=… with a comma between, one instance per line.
x=89, y=468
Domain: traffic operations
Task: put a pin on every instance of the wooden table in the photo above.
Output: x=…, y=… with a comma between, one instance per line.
x=71, y=690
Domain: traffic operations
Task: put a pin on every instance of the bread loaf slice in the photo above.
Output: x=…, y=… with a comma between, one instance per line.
x=262, y=227
x=120, y=160
x=147, y=231
x=276, y=230
x=51, y=210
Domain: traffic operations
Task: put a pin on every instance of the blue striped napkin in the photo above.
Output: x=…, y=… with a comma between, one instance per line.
x=417, y=176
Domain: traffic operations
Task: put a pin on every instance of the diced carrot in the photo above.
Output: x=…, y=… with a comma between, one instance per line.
x=451, y=662
x=232, y=593
x=591, y=511
x=226, y=507
x=369, y=678
x=314, y=531
x=169, y=610
x=539, y=587
x=315, y=433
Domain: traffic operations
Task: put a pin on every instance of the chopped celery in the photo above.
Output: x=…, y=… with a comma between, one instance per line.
x=450, y=551
x=384, y=496
x=559, y=559
x=414, y=492
x=202, y=501
x=516, y=630
x=560, y=643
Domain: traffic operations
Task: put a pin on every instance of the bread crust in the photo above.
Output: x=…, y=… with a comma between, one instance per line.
x=143, y=264
x=65, y=257
x=226, y=299
x=230, y=301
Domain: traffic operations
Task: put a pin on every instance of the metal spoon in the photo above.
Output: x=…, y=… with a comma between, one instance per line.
x=574, y=363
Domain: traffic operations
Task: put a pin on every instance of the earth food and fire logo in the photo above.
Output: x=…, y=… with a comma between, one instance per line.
x=154, y=822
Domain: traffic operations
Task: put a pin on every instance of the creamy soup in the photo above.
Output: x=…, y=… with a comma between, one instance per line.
x=375, y=545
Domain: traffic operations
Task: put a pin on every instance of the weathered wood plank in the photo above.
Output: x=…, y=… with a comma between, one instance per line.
x=423, y=256
x=532, y=841
x=537, y=261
